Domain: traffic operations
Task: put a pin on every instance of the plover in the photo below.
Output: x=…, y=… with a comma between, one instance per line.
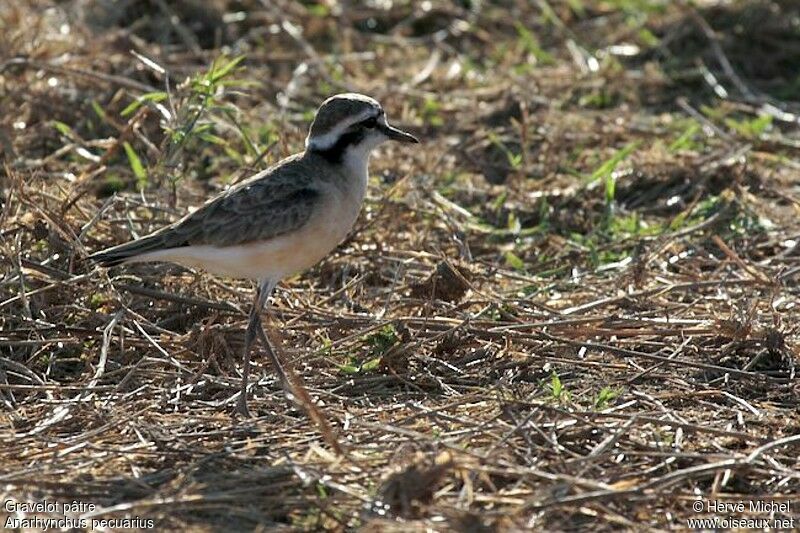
x=282, y=220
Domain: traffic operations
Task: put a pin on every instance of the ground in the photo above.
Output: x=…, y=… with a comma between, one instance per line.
x=573, y=305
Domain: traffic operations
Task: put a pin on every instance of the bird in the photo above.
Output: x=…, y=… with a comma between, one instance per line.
x=282, y=220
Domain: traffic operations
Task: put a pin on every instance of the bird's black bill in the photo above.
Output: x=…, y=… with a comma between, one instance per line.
x=398, y=135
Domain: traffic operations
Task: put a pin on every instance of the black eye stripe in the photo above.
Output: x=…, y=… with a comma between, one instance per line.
x=371, y=122
x=335, y=153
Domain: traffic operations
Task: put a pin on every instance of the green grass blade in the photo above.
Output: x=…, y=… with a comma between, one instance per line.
x=136, y=165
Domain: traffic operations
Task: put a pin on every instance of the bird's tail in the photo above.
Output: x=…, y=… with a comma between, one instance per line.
x=128, y=251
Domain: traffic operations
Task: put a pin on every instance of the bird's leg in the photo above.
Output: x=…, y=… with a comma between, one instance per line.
x=249, y=336
x=276, y=362
x=265, y=288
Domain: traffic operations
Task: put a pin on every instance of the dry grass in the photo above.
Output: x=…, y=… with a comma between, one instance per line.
x=575, y=305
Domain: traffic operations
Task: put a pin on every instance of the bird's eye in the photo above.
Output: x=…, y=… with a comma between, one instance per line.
x=370, y=122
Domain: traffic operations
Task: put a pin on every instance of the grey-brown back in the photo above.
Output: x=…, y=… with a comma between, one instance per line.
x=273, y=202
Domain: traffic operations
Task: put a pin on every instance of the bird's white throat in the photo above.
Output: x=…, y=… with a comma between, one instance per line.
x=356, y=166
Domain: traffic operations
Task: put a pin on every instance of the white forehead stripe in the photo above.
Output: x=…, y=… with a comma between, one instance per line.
x=323, y=142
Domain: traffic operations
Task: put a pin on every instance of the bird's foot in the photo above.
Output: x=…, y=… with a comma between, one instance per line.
x=241, y=406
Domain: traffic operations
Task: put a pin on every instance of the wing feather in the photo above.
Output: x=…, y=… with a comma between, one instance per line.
x=271, y=203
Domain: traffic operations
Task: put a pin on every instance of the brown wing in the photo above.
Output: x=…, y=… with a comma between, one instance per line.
x=256, y=210
x=271, y=203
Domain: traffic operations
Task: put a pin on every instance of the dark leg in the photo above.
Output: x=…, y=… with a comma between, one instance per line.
x=276, y=362
x=265, y=288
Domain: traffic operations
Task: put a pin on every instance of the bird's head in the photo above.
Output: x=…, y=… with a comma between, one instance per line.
x=351, y=123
